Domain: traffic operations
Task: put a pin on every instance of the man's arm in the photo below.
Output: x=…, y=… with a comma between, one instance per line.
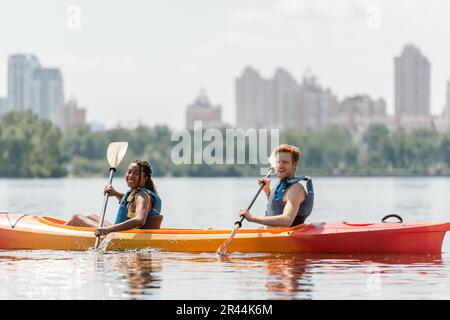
x=294, y=197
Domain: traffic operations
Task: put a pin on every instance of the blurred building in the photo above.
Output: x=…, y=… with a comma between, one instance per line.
x=412, y=84
x=202, y=110
x=410, y=123
x=31, y=87
x=263, y=103
x=443, y=122
x=281, y=102
x=252, y=100
x=357, y=113
x=48, y=93
x=317, y=107
x=447, y=106
x=284, y=101
x=97, y=126
x=21, y=70
x=3, y=105
x=71, y=114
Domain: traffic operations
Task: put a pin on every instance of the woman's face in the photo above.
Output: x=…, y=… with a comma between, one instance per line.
x=132, y=176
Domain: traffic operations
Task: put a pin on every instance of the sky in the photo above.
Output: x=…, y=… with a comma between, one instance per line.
x=131, y=62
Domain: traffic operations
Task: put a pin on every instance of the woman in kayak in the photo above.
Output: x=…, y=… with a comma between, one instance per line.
x=137, y=206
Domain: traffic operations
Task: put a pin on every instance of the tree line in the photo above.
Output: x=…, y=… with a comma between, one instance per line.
x=33, y=147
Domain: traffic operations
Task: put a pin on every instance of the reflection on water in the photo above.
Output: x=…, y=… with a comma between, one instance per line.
x=141, y=273
x=151, y=274
x=289, y=277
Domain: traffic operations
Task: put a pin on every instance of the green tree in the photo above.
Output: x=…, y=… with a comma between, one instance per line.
x=30, y=146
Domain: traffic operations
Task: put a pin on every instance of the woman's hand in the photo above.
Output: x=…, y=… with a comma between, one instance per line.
x=110, y=191
x=103, y=231
x=266, y=188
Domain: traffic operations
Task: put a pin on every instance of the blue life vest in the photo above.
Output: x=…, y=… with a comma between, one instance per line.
x=122, y=213
x=275, y=206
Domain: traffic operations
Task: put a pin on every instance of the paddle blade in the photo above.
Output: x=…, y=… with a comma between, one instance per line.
x=273, y=160
x=116, y=152
x=223, y=247
x=104, y=244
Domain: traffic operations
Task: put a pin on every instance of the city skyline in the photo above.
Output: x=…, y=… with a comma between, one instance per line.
x=308, y=104
x=153, y=58
x=31, y=86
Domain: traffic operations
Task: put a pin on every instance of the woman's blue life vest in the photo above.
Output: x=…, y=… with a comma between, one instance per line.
x=275, y=206
x=122, y=213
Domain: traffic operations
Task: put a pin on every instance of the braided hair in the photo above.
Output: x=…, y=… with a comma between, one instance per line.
x=145, y=167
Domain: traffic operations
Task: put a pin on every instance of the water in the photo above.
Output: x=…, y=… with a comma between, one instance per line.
x=200, y=202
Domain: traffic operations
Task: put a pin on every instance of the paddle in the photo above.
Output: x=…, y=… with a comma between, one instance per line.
x=223, y=247
x=116, y=152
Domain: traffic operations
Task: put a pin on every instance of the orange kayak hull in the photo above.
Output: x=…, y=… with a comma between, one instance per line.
x=44, y=233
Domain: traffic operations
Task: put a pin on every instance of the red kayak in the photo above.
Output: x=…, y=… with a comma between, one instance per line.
x=39, y=232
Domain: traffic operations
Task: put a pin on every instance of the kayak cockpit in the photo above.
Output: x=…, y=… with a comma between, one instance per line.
x=58, y=223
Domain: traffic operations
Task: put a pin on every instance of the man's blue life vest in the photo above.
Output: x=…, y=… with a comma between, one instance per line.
x=122, y=213
x=275, y=206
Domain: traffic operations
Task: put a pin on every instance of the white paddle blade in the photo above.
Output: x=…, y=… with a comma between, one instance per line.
x=224, y=246
x=116, y=152
x=273, y=161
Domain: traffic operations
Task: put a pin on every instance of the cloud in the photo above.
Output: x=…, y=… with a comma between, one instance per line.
x=233, y=39
x=93, y=63
x=283, y=11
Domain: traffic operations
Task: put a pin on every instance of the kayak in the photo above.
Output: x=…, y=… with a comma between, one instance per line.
x=46, y=233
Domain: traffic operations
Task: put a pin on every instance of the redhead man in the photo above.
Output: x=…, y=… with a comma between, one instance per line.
x=288, y=203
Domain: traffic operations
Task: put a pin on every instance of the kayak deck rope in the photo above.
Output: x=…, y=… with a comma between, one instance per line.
x=13, y=225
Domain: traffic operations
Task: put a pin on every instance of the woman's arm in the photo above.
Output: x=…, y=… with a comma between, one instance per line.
x=119, y=196
x=143, y=206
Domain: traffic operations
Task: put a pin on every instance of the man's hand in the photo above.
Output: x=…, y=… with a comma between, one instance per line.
x=266, y=188
x=246, y=214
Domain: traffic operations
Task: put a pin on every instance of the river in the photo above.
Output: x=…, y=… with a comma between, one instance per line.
x=203, y=202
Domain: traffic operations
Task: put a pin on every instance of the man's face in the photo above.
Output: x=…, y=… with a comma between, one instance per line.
x=285, y=166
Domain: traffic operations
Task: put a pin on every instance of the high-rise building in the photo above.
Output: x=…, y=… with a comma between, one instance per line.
x=447, y=99
x=284, y=102
x=48, y=93
x=281, y=102
x=202, y=110
x=21, y=70
x=71, y=114
x=31, y=87
x=364, y=106
x=357, y=113
x=412, y=83
x=3, y=105
x=252, y=100
x=317, y=106
x=263, y=103
x=446, y=112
